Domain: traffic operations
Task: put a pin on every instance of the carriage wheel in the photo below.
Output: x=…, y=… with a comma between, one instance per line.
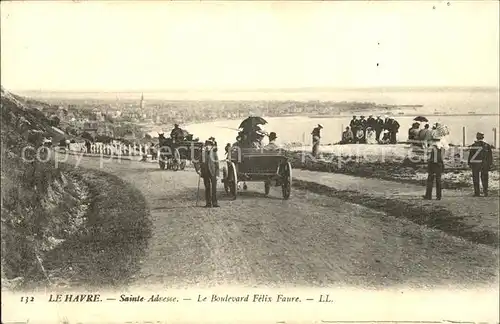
x=182, y=165
x=267, y=187
x=232, y=180
x=162, y=164
x=175, y=165
x=176, y=160
x=286, y=185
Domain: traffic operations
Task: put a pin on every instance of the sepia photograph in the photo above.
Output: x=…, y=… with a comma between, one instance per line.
x=250, y=161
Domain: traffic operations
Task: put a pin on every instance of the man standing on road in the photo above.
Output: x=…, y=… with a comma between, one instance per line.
x=316, y=136
x=435, y=167
x=210, y=172
x=480, y=160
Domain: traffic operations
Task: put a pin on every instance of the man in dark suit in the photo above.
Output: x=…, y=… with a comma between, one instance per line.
x=362, y=125
x=209, y=171
x=370, y=122
x=435, y=168
x=379, y=127
x=480, y=160
x=354, y=124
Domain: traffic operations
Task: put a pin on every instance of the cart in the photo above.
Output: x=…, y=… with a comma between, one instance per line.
x=257, y=165
x=173, y=156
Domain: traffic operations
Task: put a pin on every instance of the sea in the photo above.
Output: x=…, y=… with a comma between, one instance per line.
x=464, y=111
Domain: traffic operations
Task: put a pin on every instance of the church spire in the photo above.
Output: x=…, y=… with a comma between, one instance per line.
x=142, y=101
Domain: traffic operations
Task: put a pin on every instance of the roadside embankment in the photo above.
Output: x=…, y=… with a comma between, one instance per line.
x=69, y=226
x=458, y=213
x=61, y=226
x=41, y=207
x=106, y=251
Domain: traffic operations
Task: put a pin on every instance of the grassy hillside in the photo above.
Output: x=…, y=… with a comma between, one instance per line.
x=59, y=222
x=41, y=205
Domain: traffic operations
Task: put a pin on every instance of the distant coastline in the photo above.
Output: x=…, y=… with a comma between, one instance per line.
x=260, y=94
x=286, y=90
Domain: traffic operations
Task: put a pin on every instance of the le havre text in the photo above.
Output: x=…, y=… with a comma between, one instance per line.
x=82, y=298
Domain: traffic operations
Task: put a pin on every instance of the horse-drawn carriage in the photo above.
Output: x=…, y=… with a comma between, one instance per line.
x=173, y=154
x=245, y=164
x=257, y=165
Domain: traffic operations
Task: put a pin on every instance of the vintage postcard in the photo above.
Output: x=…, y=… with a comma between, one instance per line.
x=250, y=161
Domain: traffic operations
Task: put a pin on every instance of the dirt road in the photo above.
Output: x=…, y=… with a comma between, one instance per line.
x=309, y=240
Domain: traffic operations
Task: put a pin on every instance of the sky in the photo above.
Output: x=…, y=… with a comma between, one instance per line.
x=154, y=46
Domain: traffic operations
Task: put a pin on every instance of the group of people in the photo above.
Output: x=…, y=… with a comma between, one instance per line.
x=480, y=160
x=252, y=137
x=369, y=131
x=424, y=137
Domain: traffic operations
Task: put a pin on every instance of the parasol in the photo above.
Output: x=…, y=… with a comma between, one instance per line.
x=251, y=122
x=421, y=119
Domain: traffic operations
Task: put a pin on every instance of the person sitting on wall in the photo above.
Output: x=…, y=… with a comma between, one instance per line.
x=386, y=137
x=370, y=137
x=347, y=136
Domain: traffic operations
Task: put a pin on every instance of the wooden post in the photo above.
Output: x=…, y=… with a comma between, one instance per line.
x=495, y=137
x=341, y=131
x=463, y=136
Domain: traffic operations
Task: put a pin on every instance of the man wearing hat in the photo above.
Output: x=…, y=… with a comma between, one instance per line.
x=316, y=136
x=347, y=136
x=370, y=122
x=209, y=171
x=480, y=160
x=435, y=168
x=272, y=145
x=354, y=124
x=176, y=134
x=362, y=126
x=379, y=126
x=393, y=127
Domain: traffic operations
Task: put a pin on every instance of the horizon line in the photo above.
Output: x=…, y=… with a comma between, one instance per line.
x=290, y=89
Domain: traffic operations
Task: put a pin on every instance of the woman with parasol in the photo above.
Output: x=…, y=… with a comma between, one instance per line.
x=251, y=134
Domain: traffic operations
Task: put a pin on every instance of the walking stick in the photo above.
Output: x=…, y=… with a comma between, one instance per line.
x=198, y=191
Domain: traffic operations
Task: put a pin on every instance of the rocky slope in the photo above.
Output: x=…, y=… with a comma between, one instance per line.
x=42, y=205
